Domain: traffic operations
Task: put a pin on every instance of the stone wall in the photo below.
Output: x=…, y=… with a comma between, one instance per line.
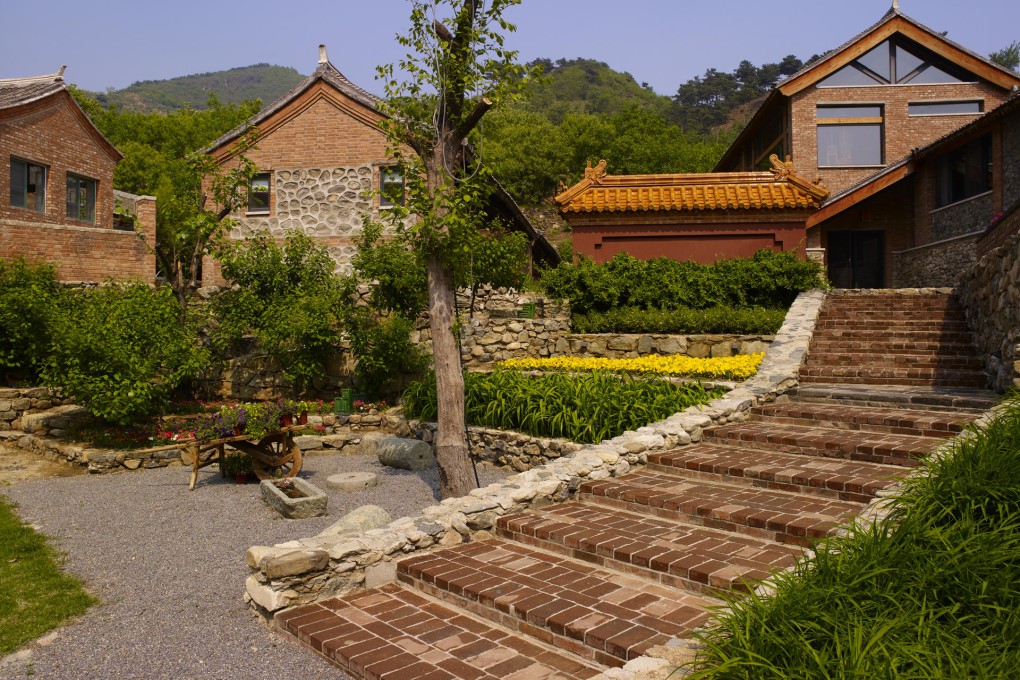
x=319, y=567
x=629, y=346
x=16, y=402
x=935, y=265
x=962, y=218
x=990, y=294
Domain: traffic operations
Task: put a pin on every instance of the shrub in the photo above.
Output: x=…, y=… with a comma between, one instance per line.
x=383, y=347
x=585, y=409
x=744, y=320
x=932, y=591
x=122, y=351
x=29, y=294
x=768, y=279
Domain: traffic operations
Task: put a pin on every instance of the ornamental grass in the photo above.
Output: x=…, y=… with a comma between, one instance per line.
x=740, y=367
x=586, y=409
x=933, y=591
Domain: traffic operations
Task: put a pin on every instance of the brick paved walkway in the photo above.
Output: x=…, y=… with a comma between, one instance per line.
x=569, y=590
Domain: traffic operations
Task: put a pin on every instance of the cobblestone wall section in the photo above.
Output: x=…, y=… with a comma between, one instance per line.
x=938, y=264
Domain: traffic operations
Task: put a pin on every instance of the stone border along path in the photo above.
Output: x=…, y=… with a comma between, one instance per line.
x=571, y=588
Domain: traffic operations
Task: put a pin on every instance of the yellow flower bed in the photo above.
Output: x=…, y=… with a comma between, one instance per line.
x=739, y=367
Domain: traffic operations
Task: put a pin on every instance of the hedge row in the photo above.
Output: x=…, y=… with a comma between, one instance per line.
x=745, y=320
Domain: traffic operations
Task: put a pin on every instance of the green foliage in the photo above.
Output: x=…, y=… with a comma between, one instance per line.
x=288, y=297
x=122, y=351
x=742, y=320
x=29, y=295
x=768, y=279
x=236, y=85
x=35, y=595
x=584, y=408
x=1008, y=56
x=383, y=348
x=498, y=258
x=396, y=270
x=933, y=591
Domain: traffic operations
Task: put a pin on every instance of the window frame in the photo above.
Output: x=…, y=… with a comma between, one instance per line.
x=89, y=182
x=386, y=175
x=252, y=209
x=39, y=201
x=850, y=121
x=946, y=102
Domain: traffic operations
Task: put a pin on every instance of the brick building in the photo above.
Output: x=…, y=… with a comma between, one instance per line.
x=843, y=119
x=321, y=154
x=56, y=183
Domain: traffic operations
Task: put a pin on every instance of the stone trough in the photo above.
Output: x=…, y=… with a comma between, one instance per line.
x=309, y=500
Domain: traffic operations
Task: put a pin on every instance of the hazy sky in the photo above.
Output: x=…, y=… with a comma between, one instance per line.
x=113, y=43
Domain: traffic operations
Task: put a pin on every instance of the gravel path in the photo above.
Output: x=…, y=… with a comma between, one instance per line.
x=168, y=566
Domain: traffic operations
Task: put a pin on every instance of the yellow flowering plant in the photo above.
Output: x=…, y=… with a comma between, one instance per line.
x=738, y=367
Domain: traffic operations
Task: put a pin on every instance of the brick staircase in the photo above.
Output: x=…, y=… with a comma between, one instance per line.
x=634, y=562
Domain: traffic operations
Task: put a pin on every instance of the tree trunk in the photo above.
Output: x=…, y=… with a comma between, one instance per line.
x=456, y=477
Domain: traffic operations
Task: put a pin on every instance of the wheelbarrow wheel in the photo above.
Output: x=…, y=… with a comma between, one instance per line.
x=277, y=456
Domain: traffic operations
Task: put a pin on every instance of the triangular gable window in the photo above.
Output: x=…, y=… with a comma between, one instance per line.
x=896, y=61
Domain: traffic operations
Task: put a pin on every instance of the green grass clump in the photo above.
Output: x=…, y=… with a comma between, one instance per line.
x=35, y=596
x=933, y=591
x=742, y=320
x=583, y=408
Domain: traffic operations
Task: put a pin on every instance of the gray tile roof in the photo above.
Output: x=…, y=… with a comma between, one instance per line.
x=20, y=91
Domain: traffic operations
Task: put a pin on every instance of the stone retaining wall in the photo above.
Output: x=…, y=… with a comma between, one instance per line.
x=628, y=346
x=318, y=567
x=937, y=264
x=16, y=402
x=990, y=294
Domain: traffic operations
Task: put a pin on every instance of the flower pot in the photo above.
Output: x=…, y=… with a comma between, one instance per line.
x=303, y=418
x=286, y=421
x=241, y=477
x=238, y=430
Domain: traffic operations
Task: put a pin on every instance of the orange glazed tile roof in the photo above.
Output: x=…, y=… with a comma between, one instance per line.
x=776, y=189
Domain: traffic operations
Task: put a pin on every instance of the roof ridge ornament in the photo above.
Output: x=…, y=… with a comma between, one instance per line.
x=323, y=57
x=781, y=169
x=597, y=173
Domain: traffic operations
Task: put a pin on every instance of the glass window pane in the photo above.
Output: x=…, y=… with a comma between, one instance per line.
x=943, y=108
x=72, y=197
x=842, y=145
x=848, y=75
x=35, y=192
x=906, y=63
x=258, y=194
x=877, y=60
x=933, y=75
x=19, y=179
x=849, y=111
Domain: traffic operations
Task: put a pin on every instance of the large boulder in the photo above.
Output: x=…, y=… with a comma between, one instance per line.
x=359, y=520
x=397, y=452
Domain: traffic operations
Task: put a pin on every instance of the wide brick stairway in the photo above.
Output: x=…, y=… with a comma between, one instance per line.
x=566, y=591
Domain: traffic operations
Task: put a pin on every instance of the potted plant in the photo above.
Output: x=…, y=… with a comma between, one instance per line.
x=262, y=419
x=238, y=466
x=302, y=408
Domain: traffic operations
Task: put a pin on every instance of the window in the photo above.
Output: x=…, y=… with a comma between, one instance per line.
x=28, y=185
x=943, y=108
x=964, y=172
x=849, y=135
x=258, y=193
x=391, y=187
x=81, y=198
x=897, y=62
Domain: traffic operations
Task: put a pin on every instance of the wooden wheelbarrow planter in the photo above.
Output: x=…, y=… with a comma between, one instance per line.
x=272, y=457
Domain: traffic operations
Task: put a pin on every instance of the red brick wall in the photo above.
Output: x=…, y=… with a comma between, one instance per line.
x=56, y=134
x=902, y=133
x=703, y=239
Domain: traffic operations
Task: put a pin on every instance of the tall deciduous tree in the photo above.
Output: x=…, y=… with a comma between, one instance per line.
x=456, y=69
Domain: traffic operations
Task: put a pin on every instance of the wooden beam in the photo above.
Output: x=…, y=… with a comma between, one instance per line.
x=861, y=193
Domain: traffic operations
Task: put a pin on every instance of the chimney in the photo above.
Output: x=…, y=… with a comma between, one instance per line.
x=323, y=57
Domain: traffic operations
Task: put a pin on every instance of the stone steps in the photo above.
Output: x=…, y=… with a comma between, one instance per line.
x=914, y=377
x=690, y=557
x=868, y=447
x=917, y=348
x=392, y=633
x=877, y=359
x=890, y=335
x=761, y=513
x=814, y=475
x=600, y=615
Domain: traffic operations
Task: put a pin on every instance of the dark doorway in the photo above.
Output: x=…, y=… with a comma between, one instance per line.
x=857, y=259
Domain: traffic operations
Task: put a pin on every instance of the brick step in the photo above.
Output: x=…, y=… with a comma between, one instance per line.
x=870, y=447
x=863, y=375
x=916, y=312
x=894, y=421
x=694, y=558
x=393, y=633
x=892, y=325
x=845, y=480
x=890, y=335
x=600, y=615
x=761, y=513
x=920, y=360
x=963, y=401
x=949, y=349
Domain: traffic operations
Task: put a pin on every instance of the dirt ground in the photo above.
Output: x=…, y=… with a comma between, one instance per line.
x=19, y=465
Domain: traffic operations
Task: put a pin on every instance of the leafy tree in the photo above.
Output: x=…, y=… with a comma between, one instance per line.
x=453, y=78
x=1008, y=56
x=122, y=351
x=29, y=297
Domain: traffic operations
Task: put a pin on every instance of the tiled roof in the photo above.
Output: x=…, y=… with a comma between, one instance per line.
x=20, y=91
x=777, y=189
x=325, y=72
